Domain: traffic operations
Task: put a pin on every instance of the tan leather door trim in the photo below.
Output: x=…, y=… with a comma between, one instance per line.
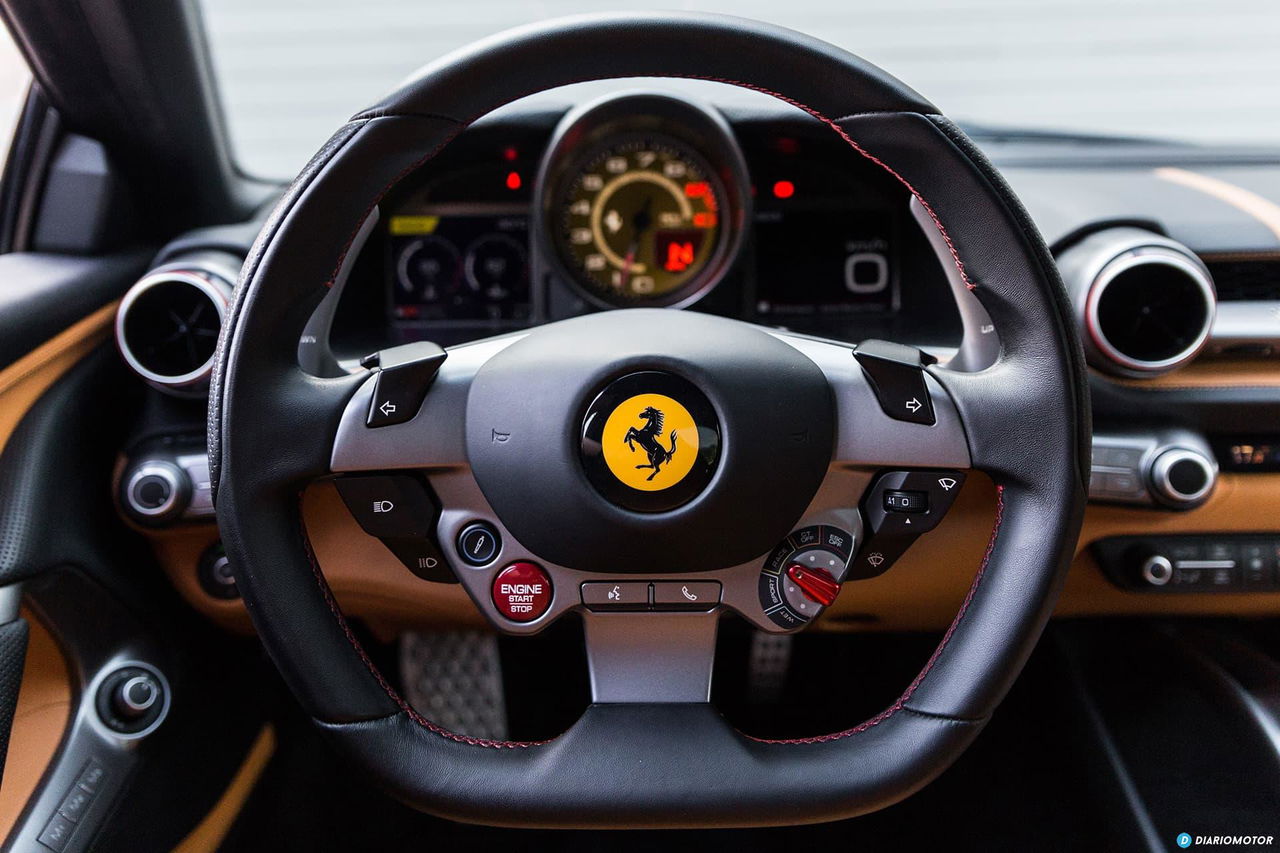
x=24, y=381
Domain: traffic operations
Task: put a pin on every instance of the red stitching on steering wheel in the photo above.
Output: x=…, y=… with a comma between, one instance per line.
x=901, y=703
x=898, y=705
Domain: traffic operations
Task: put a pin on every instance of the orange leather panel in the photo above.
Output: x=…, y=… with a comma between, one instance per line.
x=1206, y=372
x=922, y=591
x=22, y=382
x=366, y=578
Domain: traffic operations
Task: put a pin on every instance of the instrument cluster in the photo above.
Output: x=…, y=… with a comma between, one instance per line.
x=646, y=200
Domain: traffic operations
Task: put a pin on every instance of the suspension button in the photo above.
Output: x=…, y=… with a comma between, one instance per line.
x=522, y=592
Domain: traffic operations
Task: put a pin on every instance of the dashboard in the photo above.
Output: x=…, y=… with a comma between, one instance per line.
x=644, y=200
x=648, y=198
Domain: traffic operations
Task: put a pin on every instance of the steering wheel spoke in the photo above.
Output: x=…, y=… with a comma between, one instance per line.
x=432, y=436
x=879, y=426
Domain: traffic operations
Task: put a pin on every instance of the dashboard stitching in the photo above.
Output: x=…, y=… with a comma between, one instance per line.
x=404, y=706
x=901, y=703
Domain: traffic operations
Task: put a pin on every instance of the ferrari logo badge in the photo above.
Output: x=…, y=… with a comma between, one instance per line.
x=650, y=442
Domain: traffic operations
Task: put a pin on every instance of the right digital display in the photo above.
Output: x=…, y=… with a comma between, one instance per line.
x=1248, y=453
x=823, y=262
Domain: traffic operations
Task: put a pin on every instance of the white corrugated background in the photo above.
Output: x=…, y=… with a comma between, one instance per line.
x=1206, y=70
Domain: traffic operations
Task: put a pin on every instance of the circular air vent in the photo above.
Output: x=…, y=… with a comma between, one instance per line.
x=1147, y=303
x=168, y=323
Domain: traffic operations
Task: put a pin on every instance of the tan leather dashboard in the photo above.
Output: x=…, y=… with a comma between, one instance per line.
x=922, y=591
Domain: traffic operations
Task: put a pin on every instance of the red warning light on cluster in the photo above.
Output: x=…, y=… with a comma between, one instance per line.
x=783, y=189
x=697, y=189
x=513, y=180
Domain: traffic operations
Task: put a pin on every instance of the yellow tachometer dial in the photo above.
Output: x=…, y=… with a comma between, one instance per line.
x=641, y=221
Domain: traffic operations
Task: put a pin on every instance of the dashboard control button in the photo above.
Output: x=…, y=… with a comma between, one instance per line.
x=131, y=701
x=817, y=584
x=57, y=832
x=478, y=543
x=1255, y=564
x=522, y=592
x=900, y=501
x=837, y=541
x=400, y=510
x=891, y=531
x=1182, y=477
x=1157, y=570
x=896, y=374
x=75, y=804
x=390, y=505
x=807, y=537
x=700, y=595
x=91, y=776
x=216, y=575
x=620, y=595
x=404, y=375
x=821, y=554
x=135, y=696
x=156, y=491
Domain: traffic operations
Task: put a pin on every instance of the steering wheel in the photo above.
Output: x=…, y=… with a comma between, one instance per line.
x=517, y=430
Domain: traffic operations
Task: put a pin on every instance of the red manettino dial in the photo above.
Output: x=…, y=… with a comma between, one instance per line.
x=817, y=584
x=522, y=592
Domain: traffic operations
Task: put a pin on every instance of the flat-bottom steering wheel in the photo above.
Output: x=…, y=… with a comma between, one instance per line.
x=782, y=435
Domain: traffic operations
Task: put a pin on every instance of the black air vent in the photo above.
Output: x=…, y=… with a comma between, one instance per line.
x=168, y=326
x=1152, y=312
x=1246, y=280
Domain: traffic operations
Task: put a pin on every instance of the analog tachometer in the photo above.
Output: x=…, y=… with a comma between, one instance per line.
x=640, y=221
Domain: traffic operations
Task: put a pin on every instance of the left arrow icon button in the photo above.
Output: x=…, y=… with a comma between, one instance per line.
x=401, y=382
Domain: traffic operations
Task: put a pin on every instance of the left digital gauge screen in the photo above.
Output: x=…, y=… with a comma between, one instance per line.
x=459, y=266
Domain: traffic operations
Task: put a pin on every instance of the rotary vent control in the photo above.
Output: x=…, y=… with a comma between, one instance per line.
x=802, y=576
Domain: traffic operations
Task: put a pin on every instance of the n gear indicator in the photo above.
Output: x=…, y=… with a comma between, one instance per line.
x=802, y=576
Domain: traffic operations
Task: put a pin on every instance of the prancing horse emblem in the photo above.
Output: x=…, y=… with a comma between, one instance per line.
x=647, y=437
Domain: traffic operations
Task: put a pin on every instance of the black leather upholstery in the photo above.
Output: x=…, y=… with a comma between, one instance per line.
x=13, y=657
x=656, y=765
x=44, y=294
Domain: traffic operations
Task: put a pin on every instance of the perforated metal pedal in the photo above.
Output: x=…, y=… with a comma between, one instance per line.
x=767, y=667
x=455, y=679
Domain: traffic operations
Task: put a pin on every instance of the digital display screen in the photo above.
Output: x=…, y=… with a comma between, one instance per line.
x=814, y=262
x=1255, y=453
x=458, y=266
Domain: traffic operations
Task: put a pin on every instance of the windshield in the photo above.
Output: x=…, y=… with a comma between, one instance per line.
x=1194, y=71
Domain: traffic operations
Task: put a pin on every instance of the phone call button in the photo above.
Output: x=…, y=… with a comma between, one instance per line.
x=701, y=595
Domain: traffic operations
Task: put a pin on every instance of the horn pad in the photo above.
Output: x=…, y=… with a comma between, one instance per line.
x=645, y=440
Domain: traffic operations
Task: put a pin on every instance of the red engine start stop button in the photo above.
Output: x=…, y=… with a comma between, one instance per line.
x=522, y=592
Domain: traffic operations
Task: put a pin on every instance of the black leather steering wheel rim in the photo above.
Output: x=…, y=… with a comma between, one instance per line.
x=1026, y=419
